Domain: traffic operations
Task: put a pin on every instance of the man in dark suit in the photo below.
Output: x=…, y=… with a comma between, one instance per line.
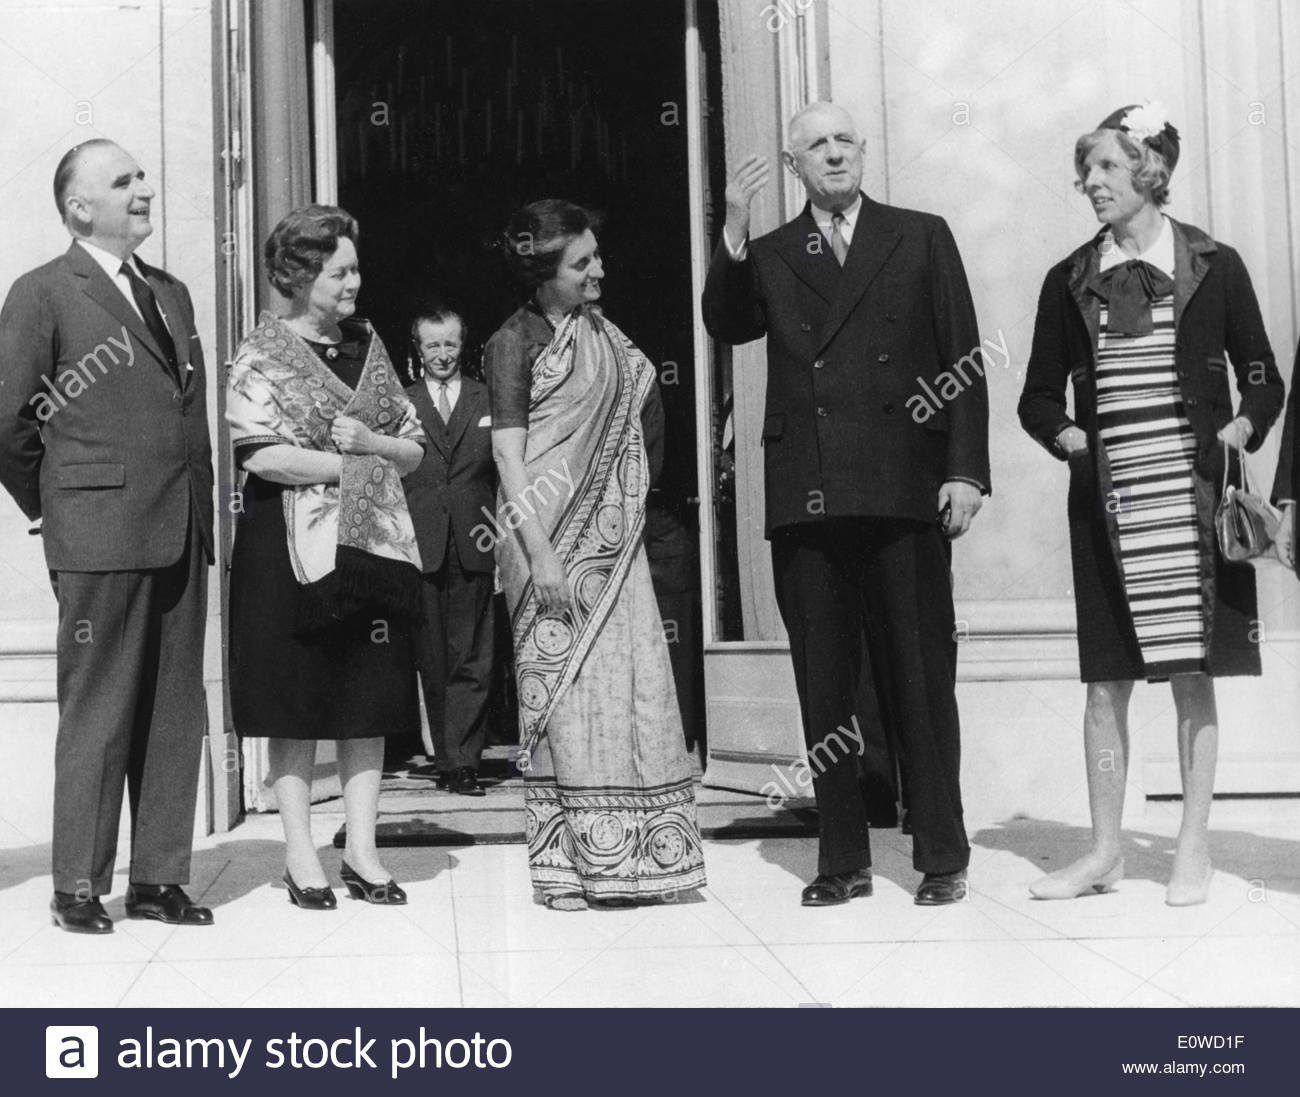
x=452, y=501
x=104, y=440
x=876, y=440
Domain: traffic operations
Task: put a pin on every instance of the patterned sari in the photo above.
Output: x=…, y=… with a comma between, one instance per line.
x=609, y=791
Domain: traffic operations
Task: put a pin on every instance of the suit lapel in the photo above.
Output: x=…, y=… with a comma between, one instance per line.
x=807, y=253
x=874, y=241
x=1083, y=269
x=466, y=409
x=1191, y=264
x=429, y=417
x=99, y=287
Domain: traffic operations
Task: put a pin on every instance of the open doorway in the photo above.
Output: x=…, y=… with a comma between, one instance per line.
x=450, y=115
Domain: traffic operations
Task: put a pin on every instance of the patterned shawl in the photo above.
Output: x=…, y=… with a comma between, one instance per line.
x=351, y=544
x=584, y=426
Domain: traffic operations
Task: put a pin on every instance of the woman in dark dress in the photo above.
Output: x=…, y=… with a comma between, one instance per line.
x=325, y=576
x=1145, y=321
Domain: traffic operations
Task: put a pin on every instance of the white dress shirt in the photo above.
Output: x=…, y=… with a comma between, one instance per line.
x=113, y=268
x=825, y=222
x=1160, y=254
x=453, y=390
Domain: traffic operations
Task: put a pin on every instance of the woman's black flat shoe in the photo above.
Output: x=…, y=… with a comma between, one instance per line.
x=387, y=894
x=309, y=898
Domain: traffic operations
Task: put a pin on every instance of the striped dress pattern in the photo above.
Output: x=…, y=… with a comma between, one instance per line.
x=1151, y=447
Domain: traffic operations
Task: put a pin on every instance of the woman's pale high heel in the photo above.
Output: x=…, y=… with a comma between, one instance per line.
x=1060, y=886
x=1190, y=895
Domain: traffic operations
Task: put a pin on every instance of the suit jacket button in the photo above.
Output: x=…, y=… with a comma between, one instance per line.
x=883, y=358
x=805, y=327
x=821, y=411
x=1192, y=401
x=888, y=409
x=891, y=317
x=819, y=364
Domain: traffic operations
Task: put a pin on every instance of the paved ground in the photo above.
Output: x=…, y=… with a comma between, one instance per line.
x=472, y=936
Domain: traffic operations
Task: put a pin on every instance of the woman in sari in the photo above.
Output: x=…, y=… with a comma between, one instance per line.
x=325, y=575
x=608, y=787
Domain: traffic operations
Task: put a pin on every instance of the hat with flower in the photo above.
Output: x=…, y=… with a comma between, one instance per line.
x=1149, y=123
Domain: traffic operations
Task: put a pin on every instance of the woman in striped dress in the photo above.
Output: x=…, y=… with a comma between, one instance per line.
x=1145, y=321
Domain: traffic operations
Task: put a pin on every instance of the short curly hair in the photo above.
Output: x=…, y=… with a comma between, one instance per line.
x=1150, y=170
x=298, y=246
x=535, y=238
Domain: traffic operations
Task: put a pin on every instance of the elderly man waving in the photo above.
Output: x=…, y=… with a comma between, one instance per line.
x=864, y=306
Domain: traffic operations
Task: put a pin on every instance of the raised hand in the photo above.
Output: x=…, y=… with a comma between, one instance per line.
x=746, y=181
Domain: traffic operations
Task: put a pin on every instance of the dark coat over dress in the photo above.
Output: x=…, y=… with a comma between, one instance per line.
x=1218, y=328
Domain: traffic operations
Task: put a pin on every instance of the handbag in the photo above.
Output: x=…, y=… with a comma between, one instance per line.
x=1245, y=523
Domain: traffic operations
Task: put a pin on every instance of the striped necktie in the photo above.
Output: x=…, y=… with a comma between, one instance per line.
x=838, y=244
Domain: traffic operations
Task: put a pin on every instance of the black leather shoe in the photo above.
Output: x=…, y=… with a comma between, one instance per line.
x=464, y=782
x=938, y=889
x=829, y=891
x=310, y=898
x=165, y=903
x=443, y=780
x=386, y=894
x=79, y=915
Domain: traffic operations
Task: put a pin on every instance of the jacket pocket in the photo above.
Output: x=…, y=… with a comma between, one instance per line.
x=773, y=427
x=98, y=475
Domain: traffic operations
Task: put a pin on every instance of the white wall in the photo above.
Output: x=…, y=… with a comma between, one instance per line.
x=140, y=74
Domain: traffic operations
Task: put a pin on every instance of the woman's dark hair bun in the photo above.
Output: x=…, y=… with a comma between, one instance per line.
x=535, y=238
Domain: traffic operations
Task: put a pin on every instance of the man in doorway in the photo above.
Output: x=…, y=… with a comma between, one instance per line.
x=864, y=306
x=451, y=496
x=104, y=440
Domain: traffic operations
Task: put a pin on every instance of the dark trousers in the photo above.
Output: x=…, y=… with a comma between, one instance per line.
x=454, y=649
x=132, y=711
x=887, y=581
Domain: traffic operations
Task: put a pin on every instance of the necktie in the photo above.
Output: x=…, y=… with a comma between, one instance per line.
x=147, y=303
x=838, y=244
x=444, y=405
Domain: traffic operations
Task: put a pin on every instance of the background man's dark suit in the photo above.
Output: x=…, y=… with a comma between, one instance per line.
x=852, y=481
x=451, y=496
x=120, y=475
